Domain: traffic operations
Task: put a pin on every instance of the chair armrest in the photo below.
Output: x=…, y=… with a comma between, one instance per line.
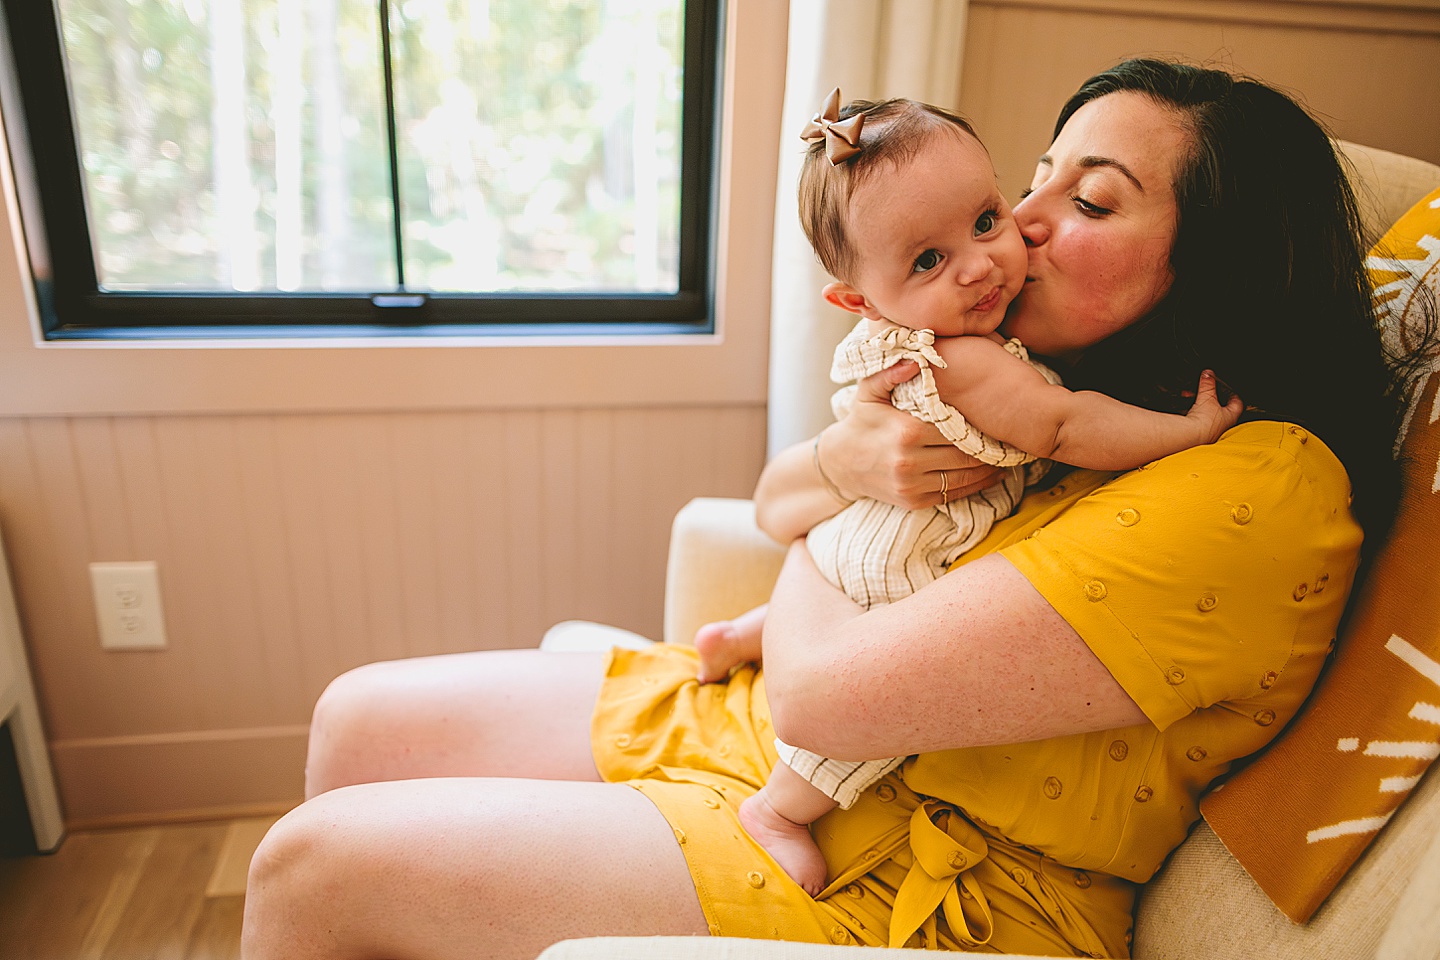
x=720, y=565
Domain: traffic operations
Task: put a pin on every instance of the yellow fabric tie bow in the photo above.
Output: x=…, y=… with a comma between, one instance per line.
x=842, y=137
x=946, y=847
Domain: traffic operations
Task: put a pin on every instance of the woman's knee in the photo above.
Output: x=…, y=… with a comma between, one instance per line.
x=283, y=891
x=346, y=727
x=302, y=892
x=351, y=701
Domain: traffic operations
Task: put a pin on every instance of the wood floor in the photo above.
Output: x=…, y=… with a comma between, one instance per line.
x=173, y=892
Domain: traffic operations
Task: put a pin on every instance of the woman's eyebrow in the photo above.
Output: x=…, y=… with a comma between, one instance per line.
x=1091, y=161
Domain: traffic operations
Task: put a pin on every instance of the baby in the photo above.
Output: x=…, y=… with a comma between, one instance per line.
x=900, y=202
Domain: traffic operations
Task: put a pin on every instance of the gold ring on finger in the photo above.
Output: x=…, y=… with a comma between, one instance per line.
x=944, y=486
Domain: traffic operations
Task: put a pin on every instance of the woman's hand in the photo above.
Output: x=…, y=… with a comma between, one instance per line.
x=876, y=452
x=888, y=455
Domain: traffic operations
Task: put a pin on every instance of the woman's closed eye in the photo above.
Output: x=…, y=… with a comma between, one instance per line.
x=927, y=261
x=1090, y=209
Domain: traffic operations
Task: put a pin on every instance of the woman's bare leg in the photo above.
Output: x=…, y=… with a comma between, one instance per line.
x=442, y=868
x=499, y=713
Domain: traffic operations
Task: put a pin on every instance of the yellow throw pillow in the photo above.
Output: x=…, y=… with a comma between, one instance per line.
x=1299, y=816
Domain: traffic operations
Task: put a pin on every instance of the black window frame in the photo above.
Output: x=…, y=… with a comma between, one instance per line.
x=40, y=129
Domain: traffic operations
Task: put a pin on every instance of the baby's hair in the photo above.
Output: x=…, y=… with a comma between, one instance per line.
x=893, y=132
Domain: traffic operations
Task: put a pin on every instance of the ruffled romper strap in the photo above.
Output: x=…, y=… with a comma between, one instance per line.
x=862, y=354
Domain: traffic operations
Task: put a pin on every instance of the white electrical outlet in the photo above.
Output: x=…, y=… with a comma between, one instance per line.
x=127, y=605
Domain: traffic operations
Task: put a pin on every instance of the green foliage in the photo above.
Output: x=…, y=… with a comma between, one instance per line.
x=538, y=142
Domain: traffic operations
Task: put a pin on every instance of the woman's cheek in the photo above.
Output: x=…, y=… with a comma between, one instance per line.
x=1121, y=289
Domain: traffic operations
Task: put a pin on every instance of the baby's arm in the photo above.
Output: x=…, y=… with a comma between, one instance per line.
x=1008, y=399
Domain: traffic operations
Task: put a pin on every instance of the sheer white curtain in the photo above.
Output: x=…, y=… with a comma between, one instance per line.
x=871, y=49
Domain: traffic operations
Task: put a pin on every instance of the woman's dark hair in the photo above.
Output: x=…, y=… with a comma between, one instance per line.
x=1270, y=288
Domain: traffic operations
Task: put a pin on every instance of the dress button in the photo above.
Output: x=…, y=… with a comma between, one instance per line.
x=622, y=741
x=1196, y=753
x=1052, y=788
x=1119, y=750
x=1018, y=876
x=885, y=792
x=1082, y=879
x=755, y=879
x=1242, y=513
x=1207, y=602
x=1175, y=676
x=1143, y=794
x=712, y=803
x=1265, y=717
x=1300, y=590
x=1320, y=584
x=839, y=935
x=724, y=750
x=1299, y=433
x=1268, y=681
x=679, y=835
x=1095, y=590
x=1128, y=517
x=854, y=890
x=957, y=860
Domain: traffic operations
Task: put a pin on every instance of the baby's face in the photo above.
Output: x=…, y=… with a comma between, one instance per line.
x=936, y=245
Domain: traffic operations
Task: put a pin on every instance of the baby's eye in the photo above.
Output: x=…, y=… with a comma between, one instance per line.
x=927, y=261
x=986, y=222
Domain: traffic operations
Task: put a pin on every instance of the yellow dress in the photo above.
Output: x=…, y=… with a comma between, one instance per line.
x=1209, y=583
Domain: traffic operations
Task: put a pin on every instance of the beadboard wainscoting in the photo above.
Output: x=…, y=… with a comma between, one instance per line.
x=293, y=547
x=1370, y=69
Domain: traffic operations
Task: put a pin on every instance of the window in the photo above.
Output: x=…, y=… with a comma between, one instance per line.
x=227, y=167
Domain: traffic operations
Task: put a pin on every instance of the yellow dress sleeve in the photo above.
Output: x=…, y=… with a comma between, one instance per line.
x=1193, y=579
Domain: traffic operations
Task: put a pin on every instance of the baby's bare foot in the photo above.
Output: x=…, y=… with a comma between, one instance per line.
x=788, y=842
x=718, y=644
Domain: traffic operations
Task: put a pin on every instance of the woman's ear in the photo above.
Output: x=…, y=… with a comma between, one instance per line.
x=848, y=298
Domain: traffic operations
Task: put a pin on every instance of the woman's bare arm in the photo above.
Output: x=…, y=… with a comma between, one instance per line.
x=977, y=657
x=877, y=452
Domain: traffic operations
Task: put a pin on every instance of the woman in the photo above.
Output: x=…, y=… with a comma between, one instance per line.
x=1070, y=690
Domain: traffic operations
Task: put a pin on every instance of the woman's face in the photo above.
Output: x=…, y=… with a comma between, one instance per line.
x=1099, y=222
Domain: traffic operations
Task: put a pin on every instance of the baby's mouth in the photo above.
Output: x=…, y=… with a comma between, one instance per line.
x=988, y=301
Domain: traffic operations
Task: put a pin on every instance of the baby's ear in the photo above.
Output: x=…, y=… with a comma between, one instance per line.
x=846, y=297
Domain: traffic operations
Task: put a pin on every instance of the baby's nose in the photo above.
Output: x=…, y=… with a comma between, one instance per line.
x=974, y=268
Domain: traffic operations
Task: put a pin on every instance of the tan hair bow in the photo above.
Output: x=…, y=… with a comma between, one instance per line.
x=842, y=137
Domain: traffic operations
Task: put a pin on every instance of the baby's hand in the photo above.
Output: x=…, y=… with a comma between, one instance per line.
x=1209, y=417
